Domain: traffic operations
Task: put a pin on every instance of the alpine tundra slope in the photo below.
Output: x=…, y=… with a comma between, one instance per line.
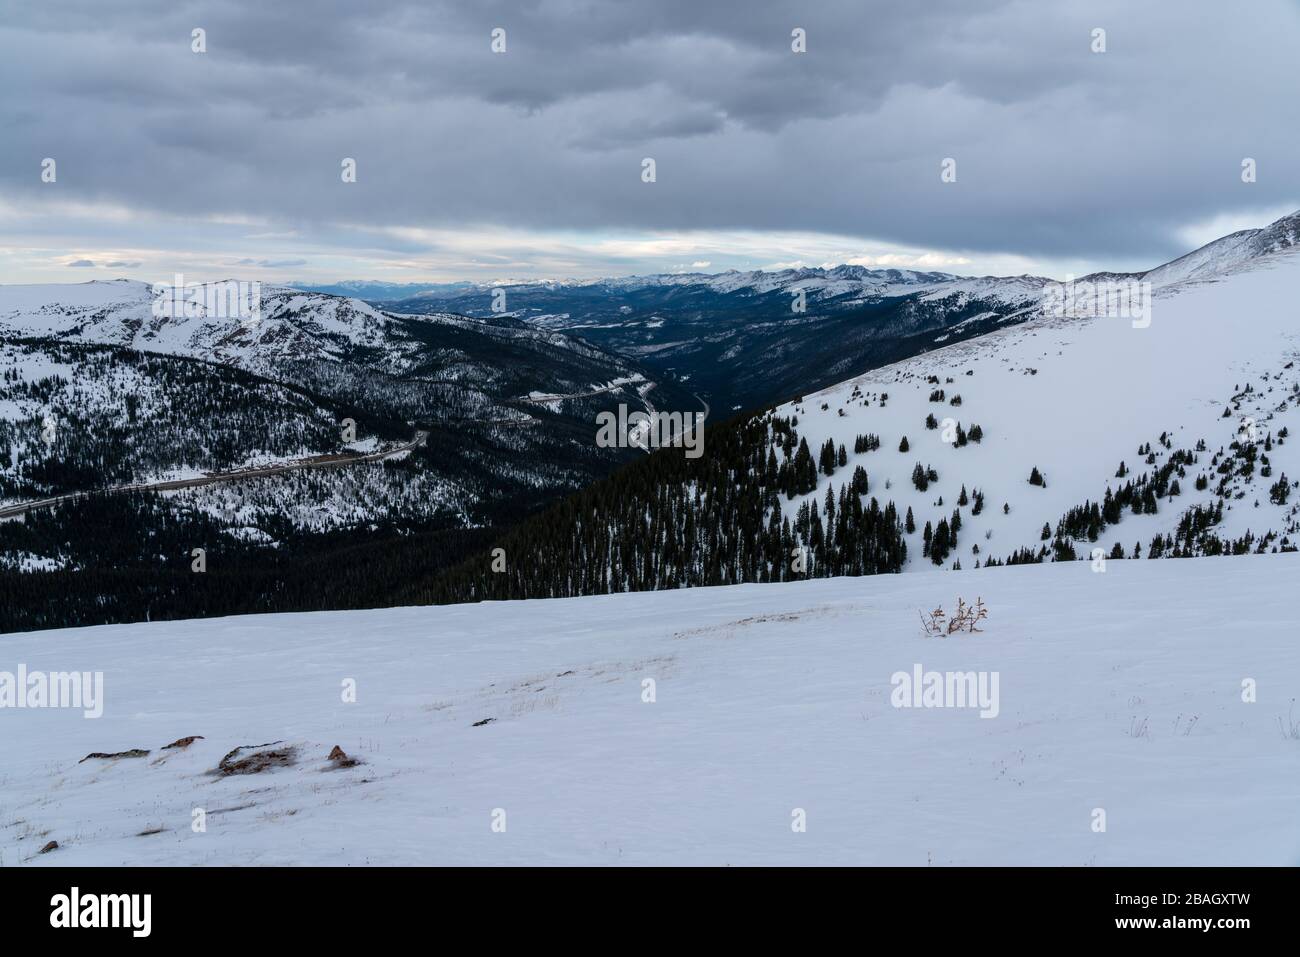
x=1142, y=715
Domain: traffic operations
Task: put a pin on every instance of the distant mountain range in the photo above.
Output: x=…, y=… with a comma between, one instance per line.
x=738, y=340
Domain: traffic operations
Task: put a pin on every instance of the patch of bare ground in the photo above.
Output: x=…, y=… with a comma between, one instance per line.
x=257, y=758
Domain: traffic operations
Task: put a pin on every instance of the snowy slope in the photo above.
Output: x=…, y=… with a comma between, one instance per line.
x=1230, y=253
x=1118, y=691
x=1075, y=398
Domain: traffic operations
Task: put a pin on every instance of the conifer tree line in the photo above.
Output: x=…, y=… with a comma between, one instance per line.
x=672, y=522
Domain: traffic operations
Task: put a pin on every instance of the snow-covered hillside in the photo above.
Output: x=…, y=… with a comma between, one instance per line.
x=75, y=418
x=291, y=328
x=72, y=420
x=292, y=325
x=1075, y=398
x=1119, y=691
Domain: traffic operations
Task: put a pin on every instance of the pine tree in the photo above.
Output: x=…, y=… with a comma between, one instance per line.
x=827, y=458
x=920, y=478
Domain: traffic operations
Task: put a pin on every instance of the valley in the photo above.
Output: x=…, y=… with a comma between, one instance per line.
x=1004, y=435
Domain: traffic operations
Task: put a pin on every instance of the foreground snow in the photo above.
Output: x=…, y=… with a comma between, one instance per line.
x=1119, y=691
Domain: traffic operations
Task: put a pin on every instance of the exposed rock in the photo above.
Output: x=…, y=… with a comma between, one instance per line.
x=258, y=761
x=133, y=753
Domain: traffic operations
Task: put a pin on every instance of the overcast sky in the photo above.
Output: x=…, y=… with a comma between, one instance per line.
x=473, y=164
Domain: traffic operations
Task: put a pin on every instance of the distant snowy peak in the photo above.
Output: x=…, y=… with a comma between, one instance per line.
x=291, y=324
x=841, y=285
x=379, y=290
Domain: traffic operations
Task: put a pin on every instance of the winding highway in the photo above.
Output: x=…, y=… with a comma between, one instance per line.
x=329, y=461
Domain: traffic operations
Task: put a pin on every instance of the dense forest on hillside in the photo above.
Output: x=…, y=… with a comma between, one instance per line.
x=671, y=522
x=134, y=559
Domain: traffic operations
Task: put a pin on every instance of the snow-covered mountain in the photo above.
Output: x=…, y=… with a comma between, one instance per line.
x=816, y=281
x=378, y=290
x=1208, y=394
x=1236, y=251
x=100, y=392
x=1169, y=432
x=293, y=327
x=686, y=727
x=433, y=368
x=747, y=339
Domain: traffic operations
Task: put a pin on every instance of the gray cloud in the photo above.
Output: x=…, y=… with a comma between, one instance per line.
x=269, y=263
x=81, y=264
x=1061, y=152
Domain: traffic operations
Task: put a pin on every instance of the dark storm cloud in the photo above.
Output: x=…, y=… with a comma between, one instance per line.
x=1060, y=151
